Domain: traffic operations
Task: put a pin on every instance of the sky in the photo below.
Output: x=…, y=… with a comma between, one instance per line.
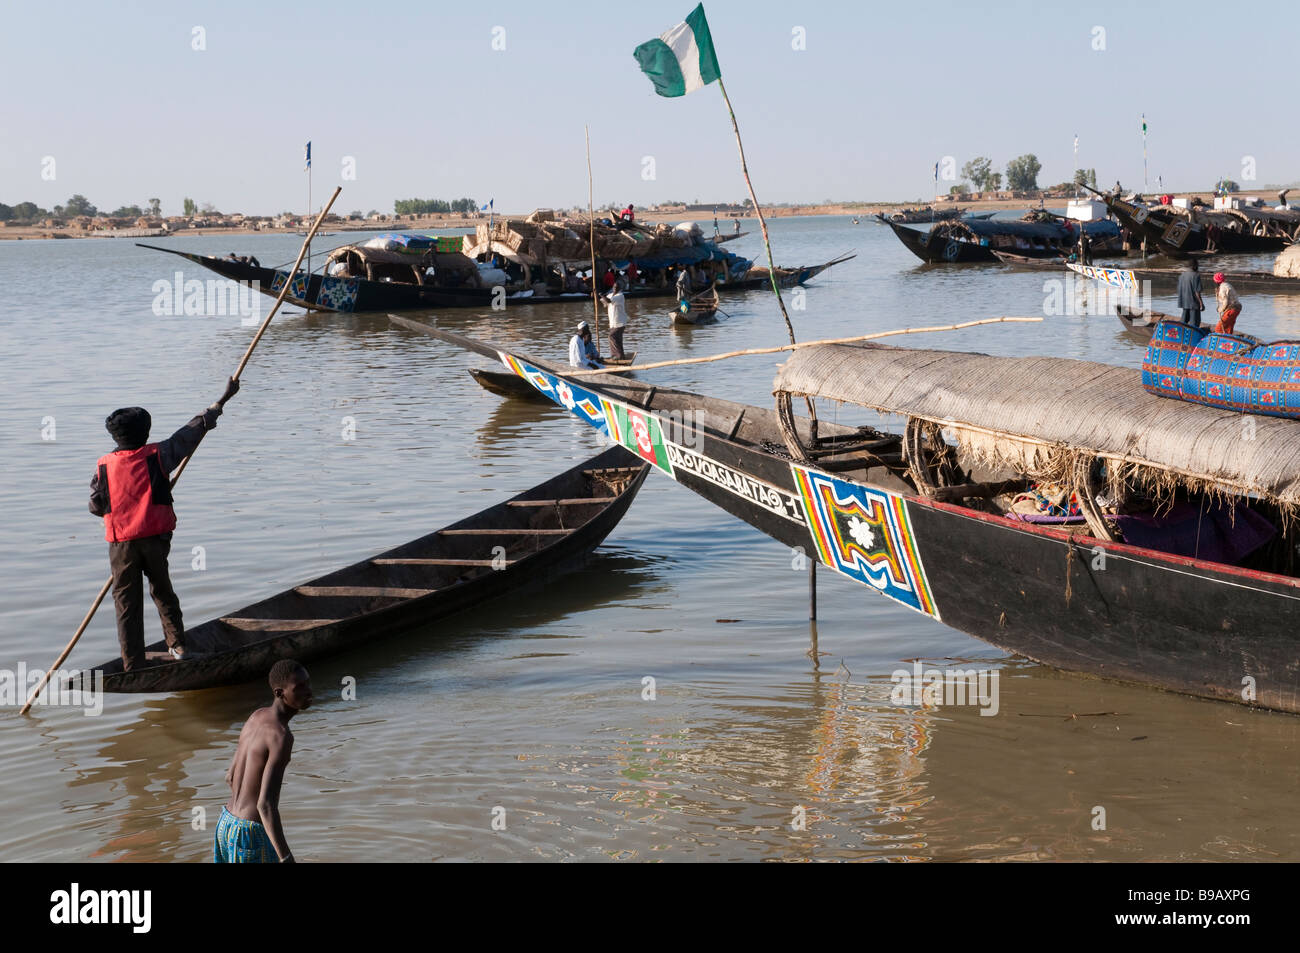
x=847, y=101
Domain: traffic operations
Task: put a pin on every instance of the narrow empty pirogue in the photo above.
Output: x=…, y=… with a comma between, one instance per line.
x=516, y=545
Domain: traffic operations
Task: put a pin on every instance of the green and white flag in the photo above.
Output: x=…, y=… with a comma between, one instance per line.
x=682, y=59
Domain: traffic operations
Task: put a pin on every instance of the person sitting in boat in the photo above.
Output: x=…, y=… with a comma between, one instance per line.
x=582, y=350
x=628, y=215
x=617, y=322
x=1229, y=305
x=610, y=279
x=572, y=283
x=1189, y=294
x=633, y=274
x=131, y=491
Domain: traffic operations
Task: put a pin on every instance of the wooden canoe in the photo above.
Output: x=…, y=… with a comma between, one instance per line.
x=704, y=309
x=1141, y=325
x=534, y=537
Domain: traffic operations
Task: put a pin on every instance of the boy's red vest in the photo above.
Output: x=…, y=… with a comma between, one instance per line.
x=138, y=492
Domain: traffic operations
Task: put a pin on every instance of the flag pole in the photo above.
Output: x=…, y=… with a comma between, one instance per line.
x=1146, y=186
x=758, y=210
x=591, y=240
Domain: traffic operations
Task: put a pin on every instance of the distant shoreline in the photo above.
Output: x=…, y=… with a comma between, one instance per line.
x=442, y=222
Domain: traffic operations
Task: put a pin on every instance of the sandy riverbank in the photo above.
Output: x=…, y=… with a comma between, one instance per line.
x=439, y=222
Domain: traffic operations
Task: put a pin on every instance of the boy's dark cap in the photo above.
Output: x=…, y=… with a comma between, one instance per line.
x=129, y=427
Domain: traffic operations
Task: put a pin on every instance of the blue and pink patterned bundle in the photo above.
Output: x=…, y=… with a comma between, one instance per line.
x=1232, y=371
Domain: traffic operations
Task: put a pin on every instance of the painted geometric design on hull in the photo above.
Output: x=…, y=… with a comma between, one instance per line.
x=639, y=432
x=338, y=294
x=297, y=290
x=631, y=428
x=865, y=534
x=578, y=401
x=528, y=373
x=1115, y=277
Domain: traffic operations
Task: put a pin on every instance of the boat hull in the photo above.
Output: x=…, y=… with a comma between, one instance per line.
x=253, y=660
x=1060, y=598
x=358, y=295
x=1165, y=280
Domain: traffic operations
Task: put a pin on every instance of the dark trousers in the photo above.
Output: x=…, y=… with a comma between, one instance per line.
x=131, y=561
x=1192, y=316
x=616, y=341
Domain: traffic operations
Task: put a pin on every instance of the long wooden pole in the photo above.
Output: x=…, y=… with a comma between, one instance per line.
x=591, y=240
x=758, y=210
x=767, y=241
x=103, y=591
x=797, y=346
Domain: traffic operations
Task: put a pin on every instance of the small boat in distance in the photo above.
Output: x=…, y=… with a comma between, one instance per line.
x=978, y=240
x=511, y=547
x=703, y=310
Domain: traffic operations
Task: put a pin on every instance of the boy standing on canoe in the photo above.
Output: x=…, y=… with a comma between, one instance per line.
x=132, y=492
x=256, y=771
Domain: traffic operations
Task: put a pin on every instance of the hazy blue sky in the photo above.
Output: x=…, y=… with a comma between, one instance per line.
x=416, y=94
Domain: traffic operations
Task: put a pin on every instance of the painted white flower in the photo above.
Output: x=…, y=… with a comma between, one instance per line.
x=861, y=533
x=565, y=394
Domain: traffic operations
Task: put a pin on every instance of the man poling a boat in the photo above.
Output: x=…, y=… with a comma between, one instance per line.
x=132, y=493
x=617, y=322
x=683, y=290
x=582, y=350
x=1229, y=305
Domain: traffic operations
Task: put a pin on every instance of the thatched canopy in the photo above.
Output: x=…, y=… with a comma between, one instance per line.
x=1036, y=414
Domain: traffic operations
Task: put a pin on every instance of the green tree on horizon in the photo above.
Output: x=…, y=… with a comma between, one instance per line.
x=191, y=208
x=979, y=170
x=79, y=205
x=1022, y=173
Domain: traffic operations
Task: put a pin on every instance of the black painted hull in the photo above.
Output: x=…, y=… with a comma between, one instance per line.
x=941, y=252
x=1068, y=601
x=360, y=295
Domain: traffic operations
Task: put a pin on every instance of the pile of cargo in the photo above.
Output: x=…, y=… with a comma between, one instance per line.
x=542, y=238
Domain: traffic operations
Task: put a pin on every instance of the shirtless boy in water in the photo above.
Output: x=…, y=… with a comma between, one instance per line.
x=255, y=773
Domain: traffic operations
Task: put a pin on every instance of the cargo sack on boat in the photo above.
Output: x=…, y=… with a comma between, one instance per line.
x=1040, y=415
x=1233, y=371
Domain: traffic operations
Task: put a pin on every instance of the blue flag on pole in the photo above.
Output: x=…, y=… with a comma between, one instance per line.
x=307, y=155
x=488, y=206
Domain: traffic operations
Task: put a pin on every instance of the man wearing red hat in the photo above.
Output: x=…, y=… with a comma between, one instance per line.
x=1229, y=305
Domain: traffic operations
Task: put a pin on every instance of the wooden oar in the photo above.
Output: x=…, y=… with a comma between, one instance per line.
x=103, y=591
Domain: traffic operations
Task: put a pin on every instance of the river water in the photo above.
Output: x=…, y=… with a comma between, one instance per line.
x=350, y=437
